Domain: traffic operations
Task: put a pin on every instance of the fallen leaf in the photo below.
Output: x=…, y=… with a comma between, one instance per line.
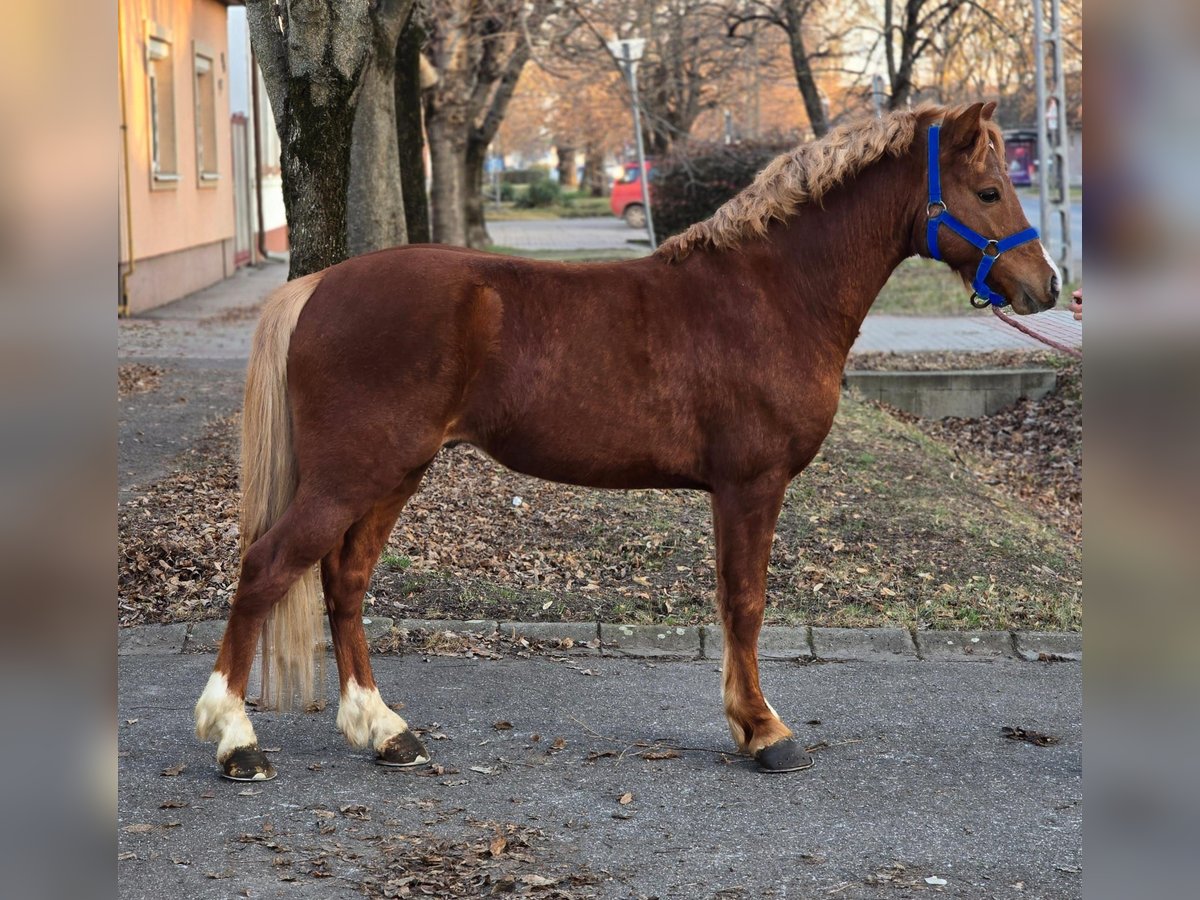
x=600, y=754
x=483, y=770
x=172, y=771
x=538, y=880
x=128, y=854
x=1030, y=737
x=625, y=798
x=497, y=845
x=559, y=744
x=138, y=828
x=660, y=754
x=356, y=811
x=502, y=726
x=173, y=804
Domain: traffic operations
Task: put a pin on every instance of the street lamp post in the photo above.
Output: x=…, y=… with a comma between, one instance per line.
x=627, y=52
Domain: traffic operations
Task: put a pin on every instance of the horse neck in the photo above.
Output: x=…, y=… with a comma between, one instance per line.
x=839, y=254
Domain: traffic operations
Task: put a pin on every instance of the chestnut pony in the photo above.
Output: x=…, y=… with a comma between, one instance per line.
x=714, y=364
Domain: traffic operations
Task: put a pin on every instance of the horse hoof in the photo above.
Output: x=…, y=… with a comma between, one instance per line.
x=248, y=764
x=402, y=750
x=784, y=756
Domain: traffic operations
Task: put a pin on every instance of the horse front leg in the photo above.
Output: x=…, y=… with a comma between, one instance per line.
x=744, y=519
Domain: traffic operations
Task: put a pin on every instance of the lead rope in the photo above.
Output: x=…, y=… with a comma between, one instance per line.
x=1025, y=329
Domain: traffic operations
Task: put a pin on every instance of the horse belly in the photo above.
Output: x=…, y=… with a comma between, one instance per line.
x=593, y=457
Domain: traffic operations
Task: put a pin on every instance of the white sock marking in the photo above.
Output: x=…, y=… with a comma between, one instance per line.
x=221, y=717
x=365, y=719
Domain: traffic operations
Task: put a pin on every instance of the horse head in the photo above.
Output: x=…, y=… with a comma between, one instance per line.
x=974, y=220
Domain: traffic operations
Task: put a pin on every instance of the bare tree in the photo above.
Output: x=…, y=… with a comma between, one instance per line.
x=688, y=57
x=410, y=125
x=479, y=48
x=313, y=54
x=910, y=30
x=375, y=194
x=802, y=21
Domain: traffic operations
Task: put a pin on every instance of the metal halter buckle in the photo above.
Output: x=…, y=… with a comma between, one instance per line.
x=936, y=203
x=992, y=245
x=979, y=302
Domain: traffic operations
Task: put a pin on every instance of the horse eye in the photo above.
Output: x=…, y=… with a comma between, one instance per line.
x=991, y=195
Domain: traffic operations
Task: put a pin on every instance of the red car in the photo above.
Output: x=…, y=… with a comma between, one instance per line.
x=626, y=200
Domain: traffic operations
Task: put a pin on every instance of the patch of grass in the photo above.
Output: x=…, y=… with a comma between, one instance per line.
x=390, y=560
x=572, y=255
x=923, y=287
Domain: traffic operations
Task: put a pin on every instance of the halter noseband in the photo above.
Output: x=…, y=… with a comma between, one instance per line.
x=990, y=248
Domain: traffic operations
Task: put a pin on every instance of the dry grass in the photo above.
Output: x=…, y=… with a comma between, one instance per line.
x=887, y=527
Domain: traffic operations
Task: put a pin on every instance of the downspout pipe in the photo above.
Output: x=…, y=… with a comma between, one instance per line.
x=127, y=271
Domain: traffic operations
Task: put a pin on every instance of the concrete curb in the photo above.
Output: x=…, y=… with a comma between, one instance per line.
x=799, y=644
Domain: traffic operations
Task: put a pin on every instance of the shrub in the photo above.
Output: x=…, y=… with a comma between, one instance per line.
x=690, y=183
x=508, y=193
x=541, y=193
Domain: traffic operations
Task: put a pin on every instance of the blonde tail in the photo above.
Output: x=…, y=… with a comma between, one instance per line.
x=293, y=651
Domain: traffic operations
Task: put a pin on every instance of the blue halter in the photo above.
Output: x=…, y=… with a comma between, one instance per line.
x=990, y=248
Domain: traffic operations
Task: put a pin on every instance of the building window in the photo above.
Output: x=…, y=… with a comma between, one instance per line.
x=206, y=118
x=164, y=163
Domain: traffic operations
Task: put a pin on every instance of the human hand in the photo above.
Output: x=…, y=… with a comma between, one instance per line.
x=1077, y=304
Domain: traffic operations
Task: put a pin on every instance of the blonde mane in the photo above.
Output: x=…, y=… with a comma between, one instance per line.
x=802, y=176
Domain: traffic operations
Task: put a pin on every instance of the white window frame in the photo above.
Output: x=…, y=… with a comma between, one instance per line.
x=206, y=176
x=159, y=48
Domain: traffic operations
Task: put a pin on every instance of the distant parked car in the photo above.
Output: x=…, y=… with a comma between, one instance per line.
x=626, y=200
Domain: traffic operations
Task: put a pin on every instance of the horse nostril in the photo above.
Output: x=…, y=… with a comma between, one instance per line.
x=1053, y=288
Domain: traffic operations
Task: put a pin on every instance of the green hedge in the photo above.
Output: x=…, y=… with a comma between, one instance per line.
x=541, y=193
x=690, y=183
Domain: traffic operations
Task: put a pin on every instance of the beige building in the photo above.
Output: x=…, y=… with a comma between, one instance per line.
x=177, y=205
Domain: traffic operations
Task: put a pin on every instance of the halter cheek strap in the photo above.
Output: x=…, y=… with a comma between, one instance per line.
x=989, y=247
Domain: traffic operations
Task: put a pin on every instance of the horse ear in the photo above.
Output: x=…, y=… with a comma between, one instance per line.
x=963, y=130
x=989, y=110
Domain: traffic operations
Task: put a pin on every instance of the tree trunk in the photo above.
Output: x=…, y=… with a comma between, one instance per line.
x=473, y=164
x=312, y=70
x=316, y=171
x=595, y=179
x=805, y=80
x=447, y=152
x=410, y=133
x=375, y=204
x=568, y=175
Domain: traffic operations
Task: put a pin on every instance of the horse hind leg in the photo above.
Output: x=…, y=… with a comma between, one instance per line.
x=286, y=553
x=363, y=717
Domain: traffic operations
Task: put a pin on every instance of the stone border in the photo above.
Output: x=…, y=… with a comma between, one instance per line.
x=802, y=643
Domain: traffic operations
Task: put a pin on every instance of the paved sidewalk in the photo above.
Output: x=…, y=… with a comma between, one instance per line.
x=975, y=333
x=916, y=773
x=602, y=233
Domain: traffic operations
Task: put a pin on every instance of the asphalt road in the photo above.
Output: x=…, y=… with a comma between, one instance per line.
x=917, y=773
